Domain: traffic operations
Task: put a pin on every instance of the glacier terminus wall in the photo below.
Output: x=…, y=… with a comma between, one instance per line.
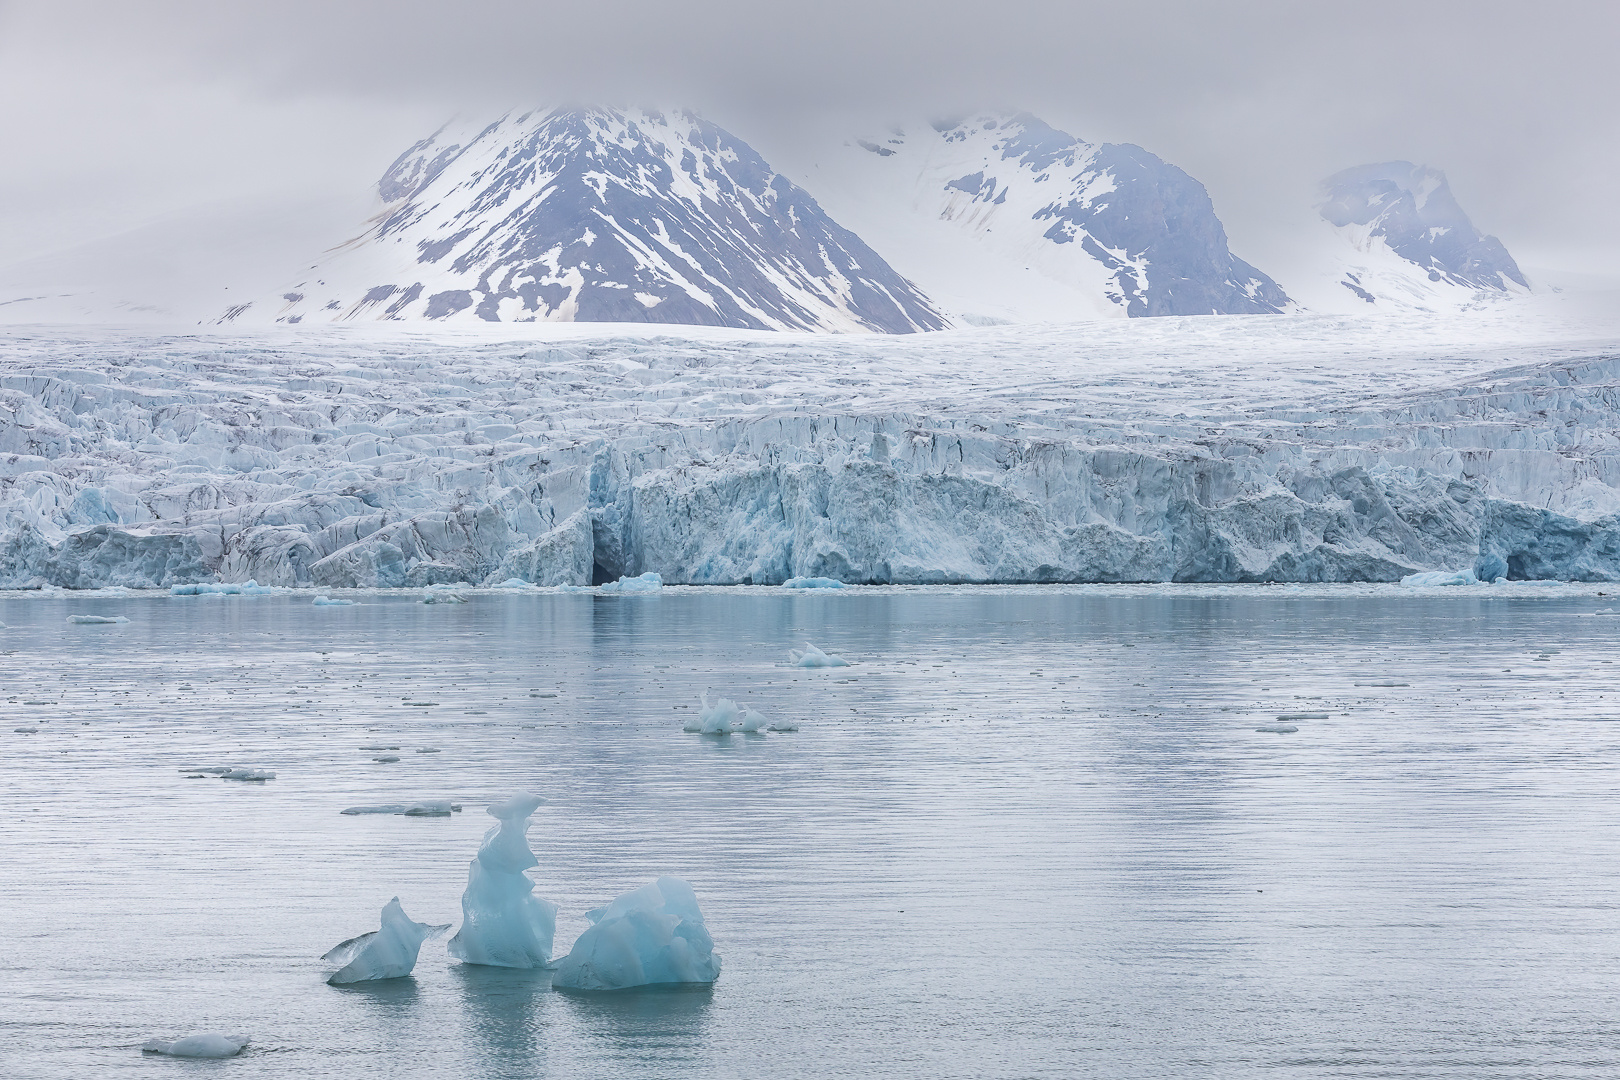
x=1261, y=449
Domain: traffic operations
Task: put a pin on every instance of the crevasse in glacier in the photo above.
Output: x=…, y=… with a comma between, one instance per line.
x=1188, y=451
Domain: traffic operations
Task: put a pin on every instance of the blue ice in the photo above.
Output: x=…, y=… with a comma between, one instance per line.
x=389, y=953
x=653, y=936
x=503, y=923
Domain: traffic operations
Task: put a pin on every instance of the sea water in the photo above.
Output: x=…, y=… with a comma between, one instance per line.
x=1027, y=833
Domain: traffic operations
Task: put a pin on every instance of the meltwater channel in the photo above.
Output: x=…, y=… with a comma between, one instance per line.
x=1030, y=832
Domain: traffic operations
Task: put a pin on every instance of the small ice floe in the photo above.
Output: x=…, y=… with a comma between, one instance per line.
x=197, y=1046
x=238, y=773
x=427, y=749
x=443, y=594
x=1285, y=717
x=1383, y=684
x=38, y=701
x=724, y=717
x=246, y=588
x=516, y=583
x=1278, y=729
x=503, y=923
x=420, y=808
x=543, y=693
x=26, y=730
x=389, y=953
x=653, y=936
x=812, y=657
x=96, y=620
x=386, y=759
x=782, y=726
x=648, y=582
x=379, y=747
x=1431, y=578
x=327, y=601
x=812, y=583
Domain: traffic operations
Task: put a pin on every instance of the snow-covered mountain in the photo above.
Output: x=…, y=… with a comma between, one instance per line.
x=600, y=215
x=1404, y=242
x=1003, y=218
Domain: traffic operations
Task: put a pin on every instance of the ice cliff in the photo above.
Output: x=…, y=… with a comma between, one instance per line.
x=1289, y=449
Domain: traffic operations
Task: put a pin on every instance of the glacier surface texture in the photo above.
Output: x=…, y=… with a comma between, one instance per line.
x=1287, y=448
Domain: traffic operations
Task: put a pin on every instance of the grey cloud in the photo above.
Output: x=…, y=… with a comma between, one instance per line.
x=1516, y=102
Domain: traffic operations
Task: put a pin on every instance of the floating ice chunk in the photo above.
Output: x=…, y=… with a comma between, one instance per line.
x=1383, y=684
x=427, y=749
x=379, y=746
x=645, y=583
x=386, y=759
x=389, y=953
x=198, y=1046
x=246, y=588
x=813, y=657
x=1303, y=716
x=517, y=583
x=1431, y=578
x=420, y=808
x=653, y=936
x=238, y=773
x=96, y=620
x=327, y=601
x=436, y=596
x=26, y=730
x=1278, y=729
x=717, y=719
x=503, y=923
x=812, y=583
x=752, y=722
x=783, y=726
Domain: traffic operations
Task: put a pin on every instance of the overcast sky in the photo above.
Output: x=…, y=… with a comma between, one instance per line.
x=118, y=112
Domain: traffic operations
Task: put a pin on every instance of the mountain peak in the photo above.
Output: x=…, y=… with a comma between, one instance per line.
x=604, y=215
x=1410, y=209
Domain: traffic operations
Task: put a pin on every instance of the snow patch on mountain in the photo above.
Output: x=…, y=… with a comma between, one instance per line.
x=599, y=215
x=1002, y=218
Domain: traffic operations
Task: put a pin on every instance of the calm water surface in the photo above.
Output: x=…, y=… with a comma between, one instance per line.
x=1031, y=833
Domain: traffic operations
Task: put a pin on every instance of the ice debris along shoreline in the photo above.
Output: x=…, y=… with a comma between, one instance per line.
x=388, y=953
x=652, y=936
x=503, y=923
x=1214, y=450
x=211, y=1045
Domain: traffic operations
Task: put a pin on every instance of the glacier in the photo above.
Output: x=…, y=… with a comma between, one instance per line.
x=1283, y=448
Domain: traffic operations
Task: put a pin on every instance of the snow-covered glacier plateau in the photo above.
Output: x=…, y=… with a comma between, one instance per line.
x=1284, y=448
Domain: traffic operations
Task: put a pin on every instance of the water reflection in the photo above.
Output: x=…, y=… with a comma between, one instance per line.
x=507, y=1014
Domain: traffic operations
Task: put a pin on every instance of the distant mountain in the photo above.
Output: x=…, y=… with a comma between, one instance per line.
x=1004, y=218
x=600, y=215
x=1408, y=242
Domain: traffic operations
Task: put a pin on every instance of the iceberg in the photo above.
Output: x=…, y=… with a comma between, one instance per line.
x=198, y=1046
x=96, y=620
x=813, y=583
x=653, y=936
x=724, y=717
x=503, y=923
x=440, y=595
x=420, y=808
x=813, y=657
x=327, y=601
x=389, y=953
x=643, y=584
